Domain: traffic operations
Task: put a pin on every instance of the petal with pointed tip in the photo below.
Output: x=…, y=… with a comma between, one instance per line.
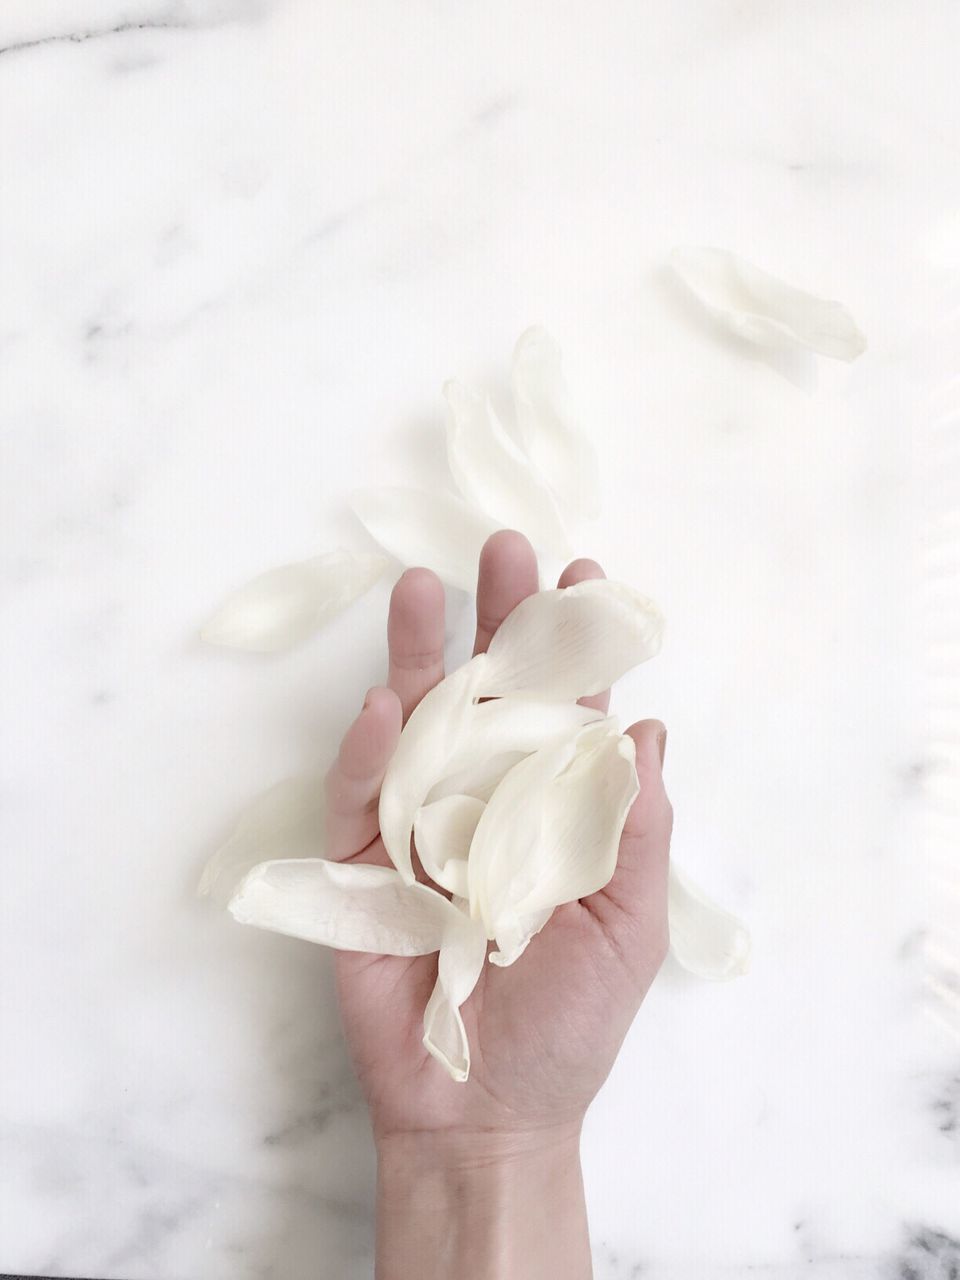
x=287, y=818
x=280, y=608
x=705, y=939
x=352, y=906
x=552, y=438
x=461, y=961
x=514, y=934
x=495, y=475
x=764, y=310
x=438, y=530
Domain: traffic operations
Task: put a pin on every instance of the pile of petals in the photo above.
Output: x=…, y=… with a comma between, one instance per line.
x=514, y=797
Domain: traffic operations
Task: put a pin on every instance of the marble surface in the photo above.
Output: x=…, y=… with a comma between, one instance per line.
x=242, y=243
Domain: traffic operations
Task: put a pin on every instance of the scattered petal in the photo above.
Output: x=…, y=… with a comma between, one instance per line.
x=352, y=906
x=437, y=529
x=280, y=608
x=495, y=475
x=764, y=310
x=569, y=643
x=461, y=961
x=707, y=940
x=286, y=819
x=554, y=443
x=443, y=831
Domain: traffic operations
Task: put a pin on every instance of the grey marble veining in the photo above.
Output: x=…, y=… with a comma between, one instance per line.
x=242, y=244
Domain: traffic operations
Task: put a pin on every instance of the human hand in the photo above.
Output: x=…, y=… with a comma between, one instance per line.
x=545, y=1032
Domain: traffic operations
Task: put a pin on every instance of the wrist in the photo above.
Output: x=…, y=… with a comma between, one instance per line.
x=469, y=1150
x=482, y=1205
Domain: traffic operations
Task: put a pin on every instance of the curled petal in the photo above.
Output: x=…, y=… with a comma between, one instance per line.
x=443, y=831
x=288, y=818
x=551, y=831
x=432, y=737
x=280, y=608
x=764, y=310
x=435, y=529
x=554, y=442
x=495, y=475
x=351, y=906
x=705, y=939
x=568, y=643
x=479, y=779
x=461, y=961
x=514, y=934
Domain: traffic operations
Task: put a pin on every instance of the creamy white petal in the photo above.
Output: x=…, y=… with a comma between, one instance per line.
x=551, y=436
x=551, y=831
x=443, y=831
x=762, y=309
x=287, y=819
x=479, y=779
x=461, y=961
x=350, y=906
x=280, y=608
x=495, y=475
x=447, y=732
x=432, y=738
x=514, y=934
x=704, y=938
x=568, y=643
x=436, y=529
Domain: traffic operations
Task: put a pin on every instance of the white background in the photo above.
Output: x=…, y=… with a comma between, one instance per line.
x=242, y=245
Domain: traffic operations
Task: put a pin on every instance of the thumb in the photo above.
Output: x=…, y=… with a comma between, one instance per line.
x=638, y=890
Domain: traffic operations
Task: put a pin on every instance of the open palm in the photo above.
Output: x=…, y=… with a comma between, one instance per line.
x=544, y=1032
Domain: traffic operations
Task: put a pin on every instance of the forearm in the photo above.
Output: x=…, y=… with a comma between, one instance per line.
x=481, y=1209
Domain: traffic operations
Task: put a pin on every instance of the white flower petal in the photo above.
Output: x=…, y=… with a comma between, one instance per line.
x=351, y=906
x=443, y=831
x=764, y=310
x=436, y=529
x=285, y=605
x=514, y=934
x=705, y=939
x=520, y=724
x=431, y=739
x=568, y=643
x=554, y=443
x=551, y=831
x=495, y=475
x=480, y=779
x=288, y=819
x=461, y=961
x=446, y=732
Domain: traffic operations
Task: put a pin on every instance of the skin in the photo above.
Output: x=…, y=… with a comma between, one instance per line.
x=482, y=1180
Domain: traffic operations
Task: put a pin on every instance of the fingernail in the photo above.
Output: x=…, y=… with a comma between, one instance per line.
x=662, y=745
x=366, y=700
